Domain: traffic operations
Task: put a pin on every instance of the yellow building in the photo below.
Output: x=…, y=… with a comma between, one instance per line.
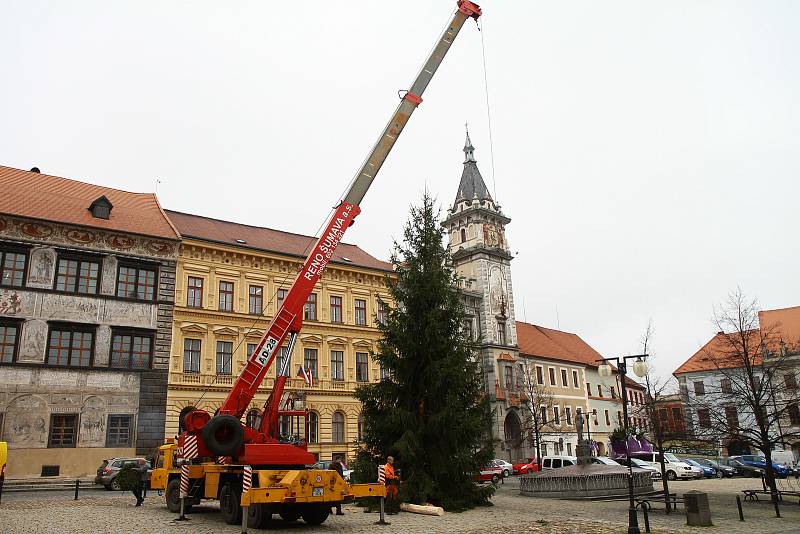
x=229, y=281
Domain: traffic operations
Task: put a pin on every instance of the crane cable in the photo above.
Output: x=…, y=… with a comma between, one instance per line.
x=488, y=107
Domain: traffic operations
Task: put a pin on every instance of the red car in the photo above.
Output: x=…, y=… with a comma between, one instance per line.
x=530, y=467
x=490, y=473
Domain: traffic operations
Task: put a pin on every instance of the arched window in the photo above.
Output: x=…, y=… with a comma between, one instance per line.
x=360, y=427
x=337, y=428
x=313, y=427
x=253, y=418
x=463, y=235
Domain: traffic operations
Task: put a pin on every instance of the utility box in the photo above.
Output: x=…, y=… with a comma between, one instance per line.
x=698, y=514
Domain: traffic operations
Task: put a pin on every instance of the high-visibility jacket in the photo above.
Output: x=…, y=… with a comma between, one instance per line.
x=388, y=472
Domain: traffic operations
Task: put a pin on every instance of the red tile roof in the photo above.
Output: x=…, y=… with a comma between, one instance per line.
x=267, y=239
x=52, y=198
x=718, y=352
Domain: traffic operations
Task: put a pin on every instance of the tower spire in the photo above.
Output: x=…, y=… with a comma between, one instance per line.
x=469, y=150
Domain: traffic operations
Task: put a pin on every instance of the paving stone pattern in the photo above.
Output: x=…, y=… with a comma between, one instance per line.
x=511, y=513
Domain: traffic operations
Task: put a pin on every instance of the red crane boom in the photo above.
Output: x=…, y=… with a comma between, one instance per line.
x=224, y=434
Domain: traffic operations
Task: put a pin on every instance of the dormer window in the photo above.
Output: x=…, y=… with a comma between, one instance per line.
x=101, y=208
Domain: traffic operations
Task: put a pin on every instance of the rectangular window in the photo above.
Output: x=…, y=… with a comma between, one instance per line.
x=70, y=345
x=552, y=373
x=608, y=419
x=725, y=385
x=543, y=411
x=63, y=430
x=191, y=355
x=588, y=389
x=704, y=417
x=568, y=415
x=281, y=358
x=131, y=350
x=539, y=375
x=13, y=265
x=569, y=449
x=383, y=314
x=251, y=348
x=791, y=380
x=663, y=415
x=9, y=341
x=468, y=329
x=310, y=361
x=501, y=332
x=599, y=390
x=564, y=380
x=508, y=375
x=280, y=296
x=699, y=389
x=677, y=417
x=732, y=417
x=256, y=300
x=226, y=296
x=310, y=308
x=619, y=417
x=194, y=294
x=794, y=413
x=337, y=365
x=336, y=309
x=224, y=357
x=613, y=393
x=385, y=373
x=575, y=379
x=78, y=275
x=556, y=415
x=136, y=282
x=361, y=312
x=118, y=432
x=362, y=367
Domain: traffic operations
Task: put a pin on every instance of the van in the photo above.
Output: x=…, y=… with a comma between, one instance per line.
x=557, y=461
x=783, y=457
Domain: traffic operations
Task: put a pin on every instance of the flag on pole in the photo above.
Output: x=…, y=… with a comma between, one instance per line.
x=307, y=376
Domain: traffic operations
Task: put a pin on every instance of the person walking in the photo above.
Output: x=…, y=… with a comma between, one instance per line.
x=337, y=466
x=392, y=486
x=141, y=479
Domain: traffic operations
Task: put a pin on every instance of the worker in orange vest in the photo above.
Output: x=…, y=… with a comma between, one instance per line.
x=392, y=484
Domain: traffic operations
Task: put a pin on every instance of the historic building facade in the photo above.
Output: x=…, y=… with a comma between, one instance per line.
x=86, y=295
x=230, y=281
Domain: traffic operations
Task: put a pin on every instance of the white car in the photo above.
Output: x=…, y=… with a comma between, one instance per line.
x=507, y=468
x=675, y=468
x=557, y=461
x=604, y=460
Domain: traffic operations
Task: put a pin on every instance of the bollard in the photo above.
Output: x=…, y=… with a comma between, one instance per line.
x=775, y=502
x=646, y=518
x=382, y=520
x=77, y=483
x=739, y=506
x=182, y=513
x=1, y=489
x=698, y=513
x=245, y=513
x=184, y=492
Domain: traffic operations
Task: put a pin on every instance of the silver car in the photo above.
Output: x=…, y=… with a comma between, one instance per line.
x=109, y=469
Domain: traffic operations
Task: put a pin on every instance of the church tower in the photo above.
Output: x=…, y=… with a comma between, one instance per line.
x=475, y=226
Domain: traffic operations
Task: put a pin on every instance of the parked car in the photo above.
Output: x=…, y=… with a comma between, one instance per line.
x=110, y=468
x=490, y=473
x=517, y=466
x=722, y=470
x=707, y=470
x=558, y=461
x=530, y=467
x=326, y=464
x=675, y=468
x=604, y=460
x=654, y=469
x=759, y=461
x=743, y=470
x=507, y=467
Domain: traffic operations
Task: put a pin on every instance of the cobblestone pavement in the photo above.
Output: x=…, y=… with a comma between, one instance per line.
x=511, y=512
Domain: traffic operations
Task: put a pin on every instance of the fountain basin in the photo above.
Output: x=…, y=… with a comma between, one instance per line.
x=583, y=481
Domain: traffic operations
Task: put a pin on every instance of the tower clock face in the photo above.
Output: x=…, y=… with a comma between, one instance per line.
x=498, y=296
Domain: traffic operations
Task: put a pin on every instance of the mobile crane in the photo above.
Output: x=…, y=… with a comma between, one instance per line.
x=281, y=483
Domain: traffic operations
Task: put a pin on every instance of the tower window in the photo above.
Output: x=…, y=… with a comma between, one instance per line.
x=463, y=235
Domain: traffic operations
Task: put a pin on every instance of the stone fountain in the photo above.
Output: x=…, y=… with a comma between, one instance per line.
x=585, y=480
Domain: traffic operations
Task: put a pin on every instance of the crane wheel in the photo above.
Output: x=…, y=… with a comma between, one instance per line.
x=316, y=514
x=289, y=514
x=223, y=435
x=230, y=503
x=259, y=516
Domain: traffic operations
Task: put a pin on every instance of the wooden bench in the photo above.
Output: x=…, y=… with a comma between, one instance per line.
x=752, y=495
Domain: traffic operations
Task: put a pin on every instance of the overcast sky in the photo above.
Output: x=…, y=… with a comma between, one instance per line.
x=646, y=152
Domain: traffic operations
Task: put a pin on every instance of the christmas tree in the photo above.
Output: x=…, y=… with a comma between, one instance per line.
x=429, y=410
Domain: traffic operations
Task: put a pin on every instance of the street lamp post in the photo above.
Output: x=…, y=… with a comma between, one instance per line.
x=589, y=426
x=639, y=369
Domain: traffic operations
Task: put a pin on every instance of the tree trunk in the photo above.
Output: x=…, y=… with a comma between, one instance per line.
x=770, y=474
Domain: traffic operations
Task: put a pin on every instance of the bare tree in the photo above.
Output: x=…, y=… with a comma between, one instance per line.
x=538, y=396
x=656, y=388
x=744, y=400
